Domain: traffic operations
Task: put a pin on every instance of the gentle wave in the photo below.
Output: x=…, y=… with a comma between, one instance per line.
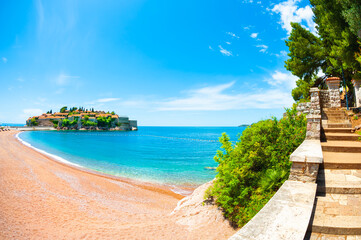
x=57, y=158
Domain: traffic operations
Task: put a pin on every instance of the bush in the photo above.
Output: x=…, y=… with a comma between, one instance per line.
x=104, y=122
x=74, y=122
x=253, y=169
x=90, y=124
x=33, y=122
x=65, y=123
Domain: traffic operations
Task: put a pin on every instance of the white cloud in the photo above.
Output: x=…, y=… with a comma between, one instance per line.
x=285, y=79
x=232, y=34
x=64, y=79
x=290, y=12
x=210, y=47
x=228, y=43
x=214, y=98
x=104, y=100
x=224, y=51
x=263, y=48
x=5, y=60
x=254, y=35
x=29, y=112
x=281, y=54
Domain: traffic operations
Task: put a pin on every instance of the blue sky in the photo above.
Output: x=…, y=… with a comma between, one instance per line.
x=167, y=63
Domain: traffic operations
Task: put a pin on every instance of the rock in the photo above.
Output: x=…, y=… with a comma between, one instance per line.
x=193, y=211
x=358, y=127
x=210, y=168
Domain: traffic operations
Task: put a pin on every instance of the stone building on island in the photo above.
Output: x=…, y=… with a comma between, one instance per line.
x=83, y=120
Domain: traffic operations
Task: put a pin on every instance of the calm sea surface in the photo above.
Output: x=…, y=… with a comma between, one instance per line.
x=167, y=155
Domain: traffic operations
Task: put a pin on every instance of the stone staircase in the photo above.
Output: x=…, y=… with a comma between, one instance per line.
x=337, y=208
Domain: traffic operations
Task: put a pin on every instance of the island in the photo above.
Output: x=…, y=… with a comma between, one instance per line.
x=82, y=119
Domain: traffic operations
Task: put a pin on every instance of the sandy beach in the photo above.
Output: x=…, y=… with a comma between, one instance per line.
x=43, y=199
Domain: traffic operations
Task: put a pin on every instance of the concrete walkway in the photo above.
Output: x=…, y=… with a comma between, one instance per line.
x=337, y=210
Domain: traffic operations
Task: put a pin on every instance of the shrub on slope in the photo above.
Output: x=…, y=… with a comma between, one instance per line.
x=251, y=170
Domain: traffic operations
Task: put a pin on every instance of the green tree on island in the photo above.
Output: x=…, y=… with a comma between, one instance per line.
x=63, y=109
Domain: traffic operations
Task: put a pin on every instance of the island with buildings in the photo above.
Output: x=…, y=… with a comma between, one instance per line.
x=82, y=119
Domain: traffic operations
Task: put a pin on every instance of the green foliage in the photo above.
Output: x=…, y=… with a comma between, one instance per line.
x=251, y=170
x=104, y=122
x=306, y=53
x=335, y=47
x=33, y=122
x=55, y=125
x=74, y=122
x=65, y=123
x=352, y=14
x=302, y=91
x=355, y=117
x=90, y=124
x=112, y=113
x=63, y=109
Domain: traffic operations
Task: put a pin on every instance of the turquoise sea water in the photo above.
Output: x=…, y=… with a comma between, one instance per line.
x=167, y=155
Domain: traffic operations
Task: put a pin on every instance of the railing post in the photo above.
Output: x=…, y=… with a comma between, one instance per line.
x=314, y=117
x=333, y=84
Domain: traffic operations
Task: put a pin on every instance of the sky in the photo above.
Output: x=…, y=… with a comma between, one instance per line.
x=161, y=62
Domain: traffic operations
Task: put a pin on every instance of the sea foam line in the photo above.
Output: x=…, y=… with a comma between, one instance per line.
x=172, y=187
x=56, y=157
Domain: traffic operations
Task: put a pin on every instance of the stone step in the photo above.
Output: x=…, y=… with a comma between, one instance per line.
x=334, y=109
x=339, y=181
x=336, y=115
x=339, y=125
x=323, y=236
x=338, y=120
x=334, y=112
x=341, y=146
x=337, y=214
x=337, y=130
x=340, y=160
x=342, y=136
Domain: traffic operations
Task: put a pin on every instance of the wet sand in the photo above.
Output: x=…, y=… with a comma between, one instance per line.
x=44, y=199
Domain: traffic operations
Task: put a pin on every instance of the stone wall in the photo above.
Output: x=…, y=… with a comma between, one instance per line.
x=303, y=108
x=324, y=99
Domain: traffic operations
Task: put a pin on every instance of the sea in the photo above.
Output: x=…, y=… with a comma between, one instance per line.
x=176, y=156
